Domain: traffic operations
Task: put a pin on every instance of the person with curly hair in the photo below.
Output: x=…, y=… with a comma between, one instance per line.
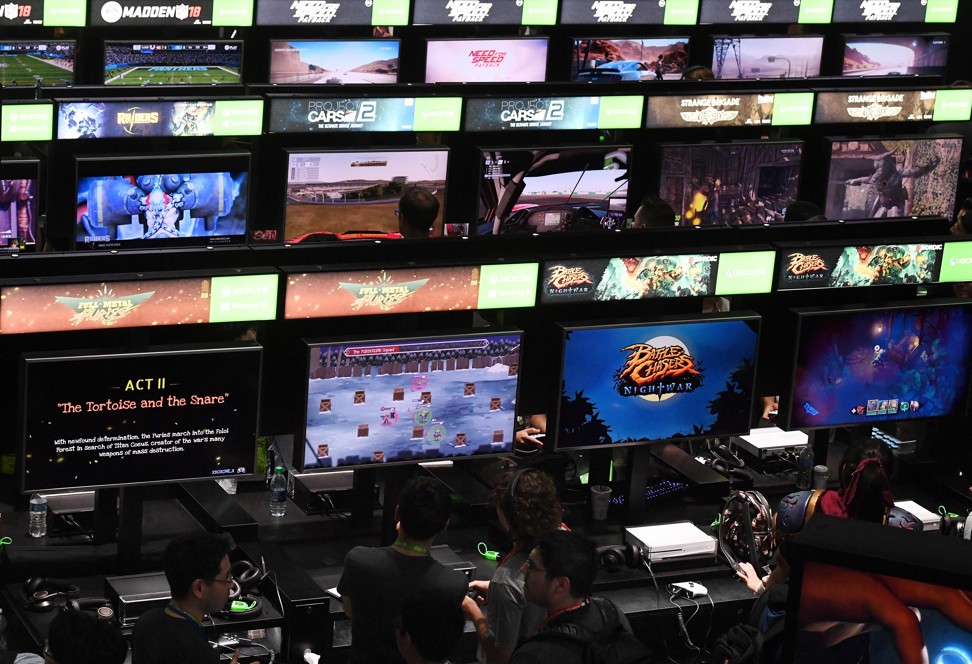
x=527, y=508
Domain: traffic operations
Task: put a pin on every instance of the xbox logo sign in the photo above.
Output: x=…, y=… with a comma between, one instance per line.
x=111, y=12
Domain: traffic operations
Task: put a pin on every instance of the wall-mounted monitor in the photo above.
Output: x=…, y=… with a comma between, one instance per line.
x=19, y=196
x=867, y=365
x=495, y=60
x=895, y=55
x=538, y=190
x=157, y=202
x=613, y=59
x=898, y=177
x=333, y=61
x=36, y=62
x=637, y=382
x=217, y=62
x=110, y=118
x=735, y=184
x=784, y=56
x=334, y=194
x=403, y=400
x=164, y=415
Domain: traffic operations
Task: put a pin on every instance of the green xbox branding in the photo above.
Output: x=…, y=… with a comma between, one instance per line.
x=243, y=298
x=956, y=262
x=792, y=109
x=233, y=13
x=508, y=286
x=816, y=11
x=681, y=12
x=941, y=11
x=953, y=105
x=622, y=112
x=389, y=12
x=64, y=13
x=745, y=272
x=437, y=114
x=238, y=117
x=26, y=122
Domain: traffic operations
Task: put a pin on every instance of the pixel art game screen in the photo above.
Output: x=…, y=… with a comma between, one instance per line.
x=173, y=63
x=869, y=366
x=486, y=61
x=334, y=62
x=895, y=55
x=36, y=62
x=633, y=383
x=767, y=57
x=410, y=400
x=605, y=60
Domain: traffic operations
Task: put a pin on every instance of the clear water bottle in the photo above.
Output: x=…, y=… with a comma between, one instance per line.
x=278, y=492
x=805, y=465
x=38, y=516
x=3, y=632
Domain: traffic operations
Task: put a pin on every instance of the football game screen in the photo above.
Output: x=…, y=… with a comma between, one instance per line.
x=486, y=60
x=632, y=383
x=19, y=194
x=895, y=55
x=538, y=190
x=173, y=62
x=28, y=63
x=872, y=365
x=735, y=184
x=614, y=59
x=790, y=56
x=399, y=400
x=333, y=61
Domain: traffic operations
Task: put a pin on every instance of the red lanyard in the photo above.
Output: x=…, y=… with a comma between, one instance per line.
x=559, y=612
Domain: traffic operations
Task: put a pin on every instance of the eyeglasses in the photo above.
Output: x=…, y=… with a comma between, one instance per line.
x=532, y=565
x=228, y=580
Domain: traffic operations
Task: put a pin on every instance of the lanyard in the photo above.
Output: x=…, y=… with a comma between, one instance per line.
x=195, y=623
x=560, y=612
x=414, y=548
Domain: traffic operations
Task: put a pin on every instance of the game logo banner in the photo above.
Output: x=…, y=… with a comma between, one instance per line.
x=410, y=290
x=634, y=12
x=52, y=13
x=175, y=118
x=304, y=115
x=629, y=278
x=895, y=11
x=862, y=265
x=234, y=13
x=509, y=113
x=143, y=303
x=323, y=12
x=496, y=12
x=730, y=110
x=875, y=106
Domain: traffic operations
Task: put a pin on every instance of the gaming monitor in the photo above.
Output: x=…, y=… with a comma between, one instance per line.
x=335, y=194
x=410, y=399
x=613, y=59
x=736, y=184
x=150, y=201
x=519, y=60
x=36, y=62
x=164, y=415
x=634, y=382
x=19, y=194
x=897, y=177
x=895, y=55
x=868, y=365
x=538, y=190
x=333, y=61
x=217, y=62
x=785, y=56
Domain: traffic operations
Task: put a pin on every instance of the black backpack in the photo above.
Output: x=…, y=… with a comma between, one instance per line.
x=612, y=644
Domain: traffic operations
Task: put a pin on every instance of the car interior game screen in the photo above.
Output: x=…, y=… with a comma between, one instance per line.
x=36, y=63
x=634, y=383
x=767, y=57
x=486, y=61
x=865, y=366
x=390, y=401
x=895, y=55
x=173, y=63
x=616, y=59
x=334, y=62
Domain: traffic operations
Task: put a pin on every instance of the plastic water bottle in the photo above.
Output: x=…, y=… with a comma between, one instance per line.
x=278, y=492
x=38, y=516
x=805, y=469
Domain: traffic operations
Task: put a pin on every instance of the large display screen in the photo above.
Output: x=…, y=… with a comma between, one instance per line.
x=871, y=179
x=166, y=415
x=731, y=183
x=131, y=202
x=532, y=113
x=333, y=61
x=789, y=56
x=613, y=59
x=860, y=265
x=538, y=190
x=19, y=195
x=730, y=109
x=330, y=193
x=873, y=365
x=486, y=60
x=159, y=117
x=895, y=55
x=36, y=63
x=342, y=114
x=173, y=62
x=401, y=400
x=632, y=383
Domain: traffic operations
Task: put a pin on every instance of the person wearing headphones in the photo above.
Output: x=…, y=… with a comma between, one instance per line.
x=76, y=637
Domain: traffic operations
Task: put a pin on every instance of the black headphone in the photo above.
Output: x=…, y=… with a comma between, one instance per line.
x=40, y=592
x=100, y=606
x=728, y=463
x=509, y=498
x=242, y=607
x=246, y=577
x=613, y=558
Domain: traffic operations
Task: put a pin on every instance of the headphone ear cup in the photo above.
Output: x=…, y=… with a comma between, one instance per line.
x=101, y=606
x=245, y=606
x=246, y=574
x=611, y=558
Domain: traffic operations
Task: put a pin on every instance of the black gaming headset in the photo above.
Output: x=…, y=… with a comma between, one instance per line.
x=617, y=556
x=100, y=606
x=40, y=593
x=242, y=604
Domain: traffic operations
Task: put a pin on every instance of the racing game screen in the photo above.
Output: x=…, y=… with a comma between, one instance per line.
x=333, y=61
x=895, y=55
x=795, y=56
x=615, y=59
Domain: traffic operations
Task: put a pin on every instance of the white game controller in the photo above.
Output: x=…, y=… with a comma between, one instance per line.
x=688, y=589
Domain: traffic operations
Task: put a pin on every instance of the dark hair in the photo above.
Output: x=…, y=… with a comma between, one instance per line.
x=424, y=507
x=802, y=211
x=418, y=209
x=435, y=622
x=869, y=503
x=570, y=554
x=698, y=73
x=533, y=509
x=76, y=637
x=655, y=211
x=192, y=556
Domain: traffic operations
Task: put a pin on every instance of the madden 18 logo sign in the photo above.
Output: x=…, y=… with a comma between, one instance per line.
x=112, y=12
x=13, y=12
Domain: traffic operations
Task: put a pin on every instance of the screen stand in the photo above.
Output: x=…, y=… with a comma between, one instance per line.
x=363, y=497
x=395, y=479
x=130, y=529
x=106, y=516
x=639, y=465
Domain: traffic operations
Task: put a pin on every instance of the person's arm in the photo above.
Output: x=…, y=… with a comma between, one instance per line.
x=346, y=605
x=758, y=585
x=475, y=615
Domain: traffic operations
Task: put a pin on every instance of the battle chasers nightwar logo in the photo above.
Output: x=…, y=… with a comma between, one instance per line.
x=658, y=368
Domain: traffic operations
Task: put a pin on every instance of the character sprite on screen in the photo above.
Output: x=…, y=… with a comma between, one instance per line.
x=658, y=368
x=892, y=198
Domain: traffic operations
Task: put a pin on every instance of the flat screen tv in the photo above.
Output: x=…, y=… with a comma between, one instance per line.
x=613, y=59
x=217, y=62
x=333, y=61
x=896, y=177
x=867, y=365
x=19, y=196
x=164, y=415
x=36, y=62
x=736, y=184
x=784, y=56
x=539, y=190
x=337, y=194
x=629, y=383
x=177, y=200
x=517, y=60
x=895, y=55
x=410, y=399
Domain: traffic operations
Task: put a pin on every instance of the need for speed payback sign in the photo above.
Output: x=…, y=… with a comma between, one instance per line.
x=332, y=12
x=665, y=12
x=486, y=12
x=172, y=12
x=896, y=11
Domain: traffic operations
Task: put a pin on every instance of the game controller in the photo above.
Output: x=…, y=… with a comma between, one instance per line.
x=688, y=589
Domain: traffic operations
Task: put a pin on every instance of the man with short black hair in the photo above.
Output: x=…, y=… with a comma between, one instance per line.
x=417, y=210
x=653, y=212
x=430, y=628
x=76, y=637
